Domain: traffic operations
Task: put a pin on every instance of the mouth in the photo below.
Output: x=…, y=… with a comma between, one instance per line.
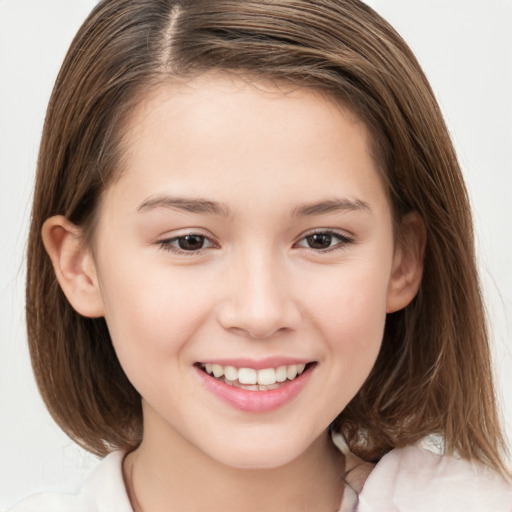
x=252, y=379
x=255, y=387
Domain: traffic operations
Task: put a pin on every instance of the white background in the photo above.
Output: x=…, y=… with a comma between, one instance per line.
x=465, y=47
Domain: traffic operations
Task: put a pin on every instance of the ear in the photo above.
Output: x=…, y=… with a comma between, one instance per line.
x=74, y=265
x=407, y=263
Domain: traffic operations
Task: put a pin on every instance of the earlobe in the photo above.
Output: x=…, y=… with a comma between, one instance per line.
x=407, y=268
x=73, y=265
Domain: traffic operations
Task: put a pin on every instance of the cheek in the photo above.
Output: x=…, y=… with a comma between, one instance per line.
x=151, y=313
x=347, y=310
x=350, y=310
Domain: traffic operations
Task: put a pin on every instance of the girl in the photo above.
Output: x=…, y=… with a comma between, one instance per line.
x=251, y=276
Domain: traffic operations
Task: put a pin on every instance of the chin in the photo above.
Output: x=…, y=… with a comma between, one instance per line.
x=255, y=461
x=262, y=453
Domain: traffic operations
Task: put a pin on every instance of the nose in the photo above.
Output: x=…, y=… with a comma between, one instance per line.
x=259, y=301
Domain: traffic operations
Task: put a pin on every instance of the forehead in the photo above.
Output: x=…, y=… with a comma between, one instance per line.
x=215, y=132
x=215, y=99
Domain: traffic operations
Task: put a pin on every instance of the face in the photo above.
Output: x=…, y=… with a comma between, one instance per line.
x=244, y=261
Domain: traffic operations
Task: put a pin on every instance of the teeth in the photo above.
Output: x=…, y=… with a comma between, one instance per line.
x=254, y=379
x=231, y=373
x=266, y=376
x=247, y=376
x=281, y=374
x=291, y=371
x=218, y=370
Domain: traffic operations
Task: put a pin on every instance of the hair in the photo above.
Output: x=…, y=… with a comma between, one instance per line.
x=433, y=374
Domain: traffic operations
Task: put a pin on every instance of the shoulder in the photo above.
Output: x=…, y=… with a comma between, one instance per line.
x=414, y=479
x=103, y=491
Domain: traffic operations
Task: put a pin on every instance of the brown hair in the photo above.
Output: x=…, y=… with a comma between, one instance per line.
x=433, y=374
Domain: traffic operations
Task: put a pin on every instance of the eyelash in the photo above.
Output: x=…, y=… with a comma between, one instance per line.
x=166, y=244
x=343, y=240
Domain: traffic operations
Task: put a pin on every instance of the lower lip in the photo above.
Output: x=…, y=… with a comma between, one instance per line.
x=256, y=401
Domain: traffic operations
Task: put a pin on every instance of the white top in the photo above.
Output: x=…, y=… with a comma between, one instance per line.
x=410, y=479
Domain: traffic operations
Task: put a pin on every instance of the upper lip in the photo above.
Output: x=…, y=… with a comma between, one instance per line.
x=257, y=364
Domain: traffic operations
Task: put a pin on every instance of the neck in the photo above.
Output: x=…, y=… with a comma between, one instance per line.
x=167, y=474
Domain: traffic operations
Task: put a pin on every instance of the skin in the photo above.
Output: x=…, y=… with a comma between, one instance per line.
x=255, y=289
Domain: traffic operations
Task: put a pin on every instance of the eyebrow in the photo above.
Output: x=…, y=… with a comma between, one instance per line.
x=330, y=206
x=202, y=206
x=185, y=204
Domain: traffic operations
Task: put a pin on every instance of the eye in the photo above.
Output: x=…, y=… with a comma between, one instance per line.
x=324, y=240
x=191, y=242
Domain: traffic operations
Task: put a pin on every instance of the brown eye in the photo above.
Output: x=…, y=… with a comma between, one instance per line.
x=191, y=242
x=319, y=240
x=324, y=241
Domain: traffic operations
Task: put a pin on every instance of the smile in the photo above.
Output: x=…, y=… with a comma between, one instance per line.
x=252, y=379
x=255, y=390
